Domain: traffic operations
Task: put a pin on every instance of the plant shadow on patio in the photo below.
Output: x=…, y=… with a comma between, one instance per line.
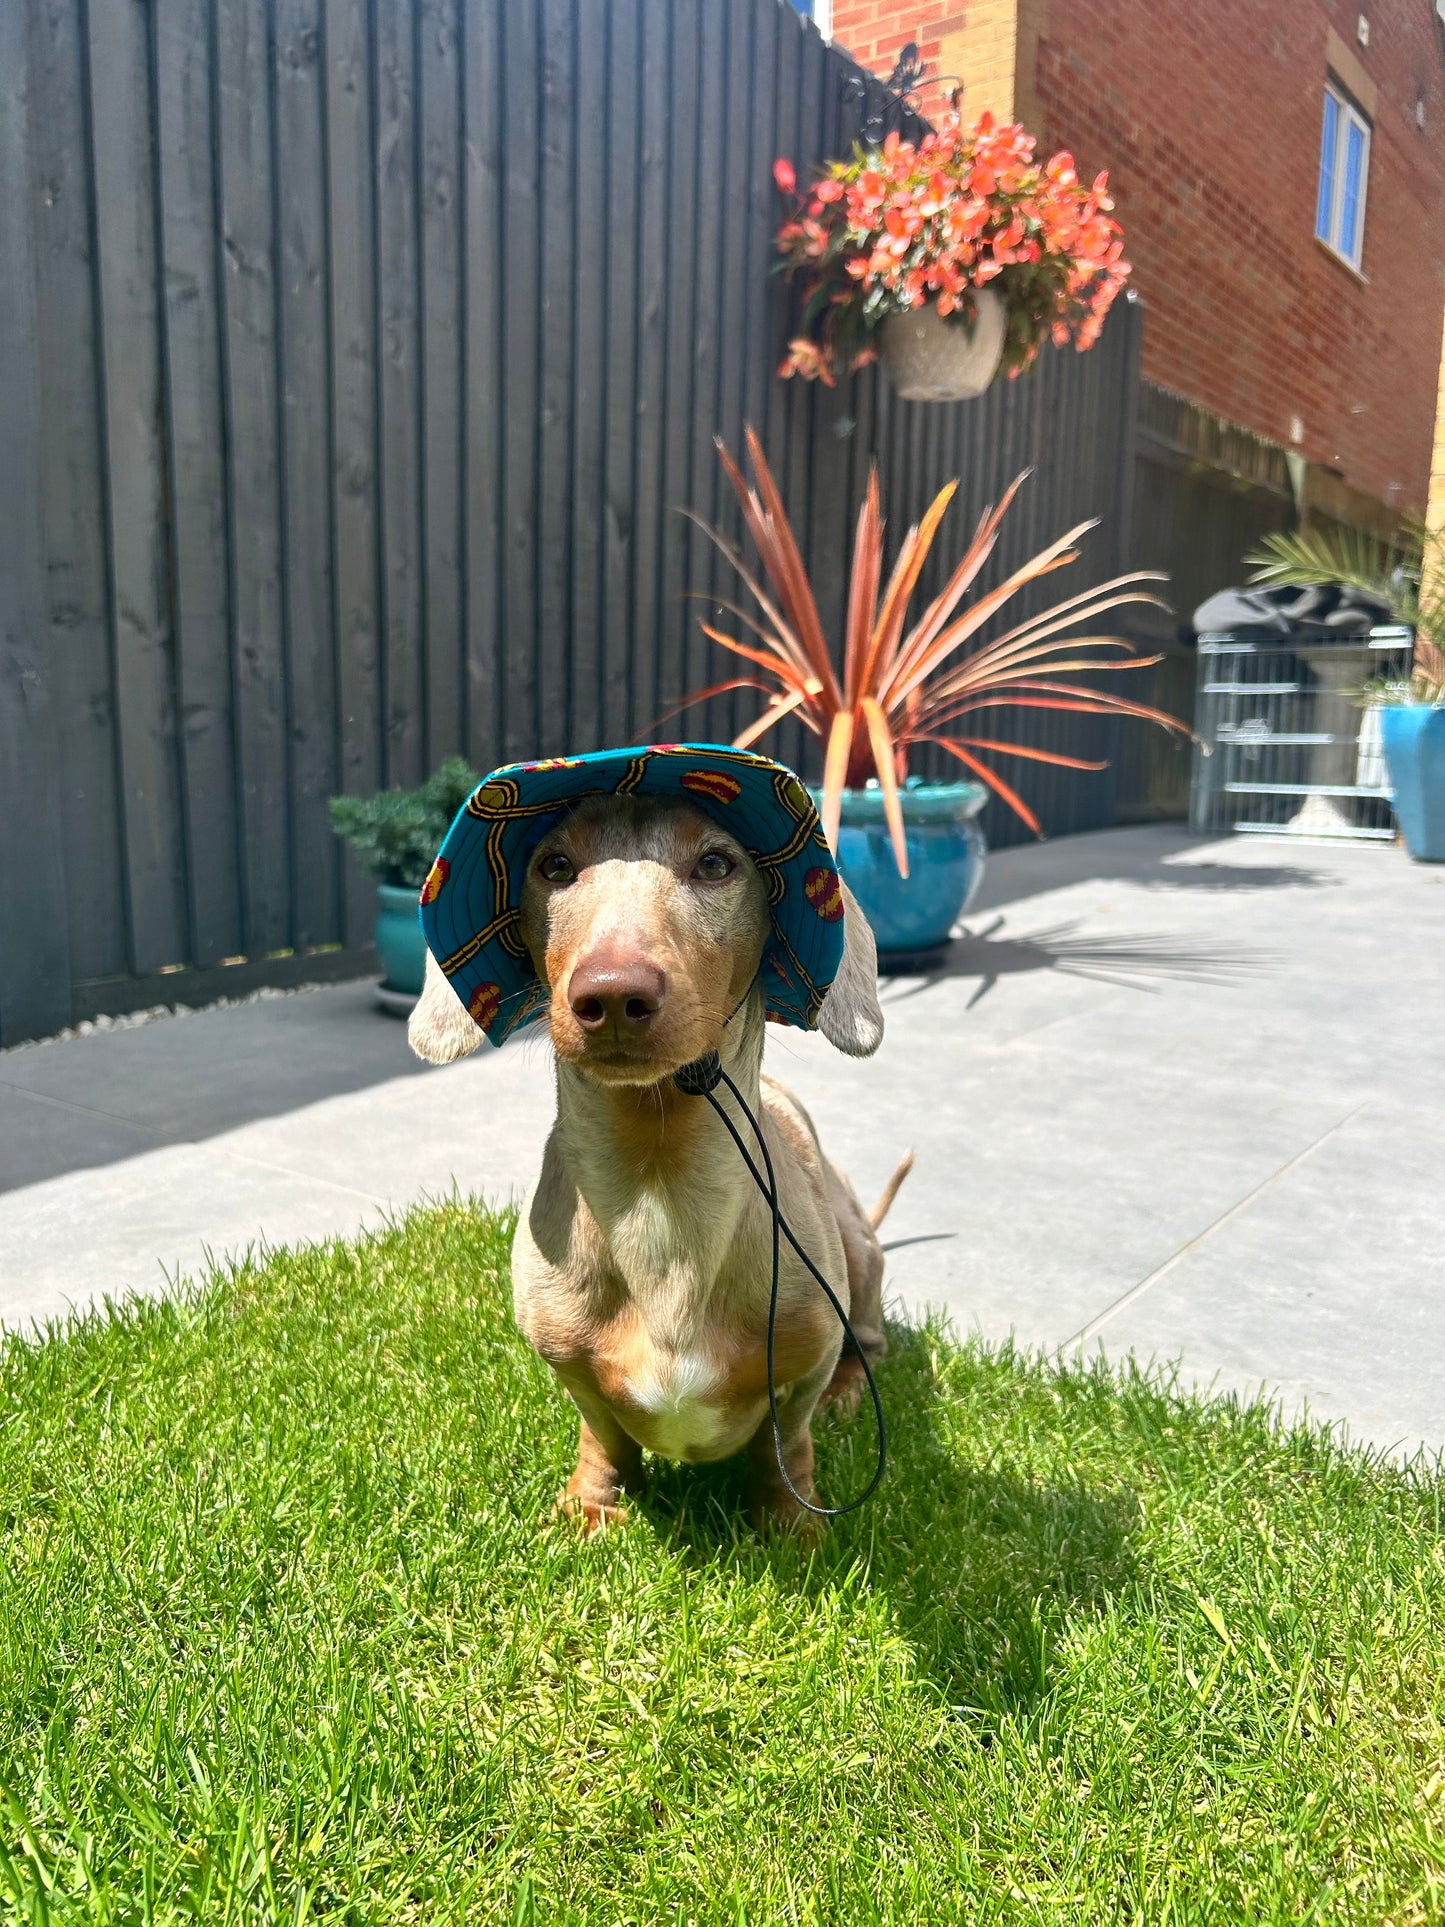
x=1164, y=857
x=1212, y=875
x=1134, y=961
x=984, y=1568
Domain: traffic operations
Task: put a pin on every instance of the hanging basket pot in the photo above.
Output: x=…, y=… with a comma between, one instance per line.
x=930, y=357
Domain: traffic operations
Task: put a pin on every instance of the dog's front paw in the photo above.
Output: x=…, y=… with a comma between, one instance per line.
x=590, y=1515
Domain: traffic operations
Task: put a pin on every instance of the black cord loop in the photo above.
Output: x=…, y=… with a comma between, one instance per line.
x=701, y=1079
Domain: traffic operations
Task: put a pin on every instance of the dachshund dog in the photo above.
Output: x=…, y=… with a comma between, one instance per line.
x=643, y=1258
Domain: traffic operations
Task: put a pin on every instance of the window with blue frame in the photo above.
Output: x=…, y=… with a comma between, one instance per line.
x=1344, y=171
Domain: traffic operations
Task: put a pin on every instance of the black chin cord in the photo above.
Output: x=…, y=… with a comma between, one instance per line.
x=701, y=1079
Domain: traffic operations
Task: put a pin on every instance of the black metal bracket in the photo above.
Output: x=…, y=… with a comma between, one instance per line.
x=880, y=100
x=908, y=70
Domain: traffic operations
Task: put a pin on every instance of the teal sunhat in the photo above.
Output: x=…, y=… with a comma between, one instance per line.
x=471, y=901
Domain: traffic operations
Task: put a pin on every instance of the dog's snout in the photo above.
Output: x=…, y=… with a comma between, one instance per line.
x=611, y=988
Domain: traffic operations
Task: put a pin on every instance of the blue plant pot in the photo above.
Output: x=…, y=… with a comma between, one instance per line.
x=1413, y=735
x=399, y=942
x=946, y=854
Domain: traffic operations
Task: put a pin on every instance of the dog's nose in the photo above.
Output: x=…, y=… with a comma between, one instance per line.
x=611, y=988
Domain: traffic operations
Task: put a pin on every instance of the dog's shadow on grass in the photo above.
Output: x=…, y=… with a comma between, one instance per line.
x=983, y=1568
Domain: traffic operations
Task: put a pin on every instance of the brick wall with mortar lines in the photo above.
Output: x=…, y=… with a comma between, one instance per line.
x=1208, y=120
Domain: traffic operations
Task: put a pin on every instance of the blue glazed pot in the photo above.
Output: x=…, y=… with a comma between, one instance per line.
x=946, y=854
x=1413, y=735
x=399, y=942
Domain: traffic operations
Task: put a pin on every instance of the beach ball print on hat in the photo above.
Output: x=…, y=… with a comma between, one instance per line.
x=471, y=900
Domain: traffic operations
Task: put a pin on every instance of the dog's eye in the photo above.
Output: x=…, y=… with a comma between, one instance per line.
x=557, y=868
x=713, y=867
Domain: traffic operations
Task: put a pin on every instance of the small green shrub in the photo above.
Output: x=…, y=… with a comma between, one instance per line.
x=397, y=832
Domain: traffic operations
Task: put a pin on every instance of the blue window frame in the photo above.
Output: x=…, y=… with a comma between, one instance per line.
x=1344, y=172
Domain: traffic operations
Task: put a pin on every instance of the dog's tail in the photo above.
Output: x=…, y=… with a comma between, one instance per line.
x=890, y=1191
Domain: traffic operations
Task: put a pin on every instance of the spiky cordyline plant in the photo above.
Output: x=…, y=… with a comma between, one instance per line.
x=901, y=686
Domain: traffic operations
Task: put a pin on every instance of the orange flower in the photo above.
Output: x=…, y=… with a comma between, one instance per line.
x=805, y=358
x=935, y=196
x=907, y=223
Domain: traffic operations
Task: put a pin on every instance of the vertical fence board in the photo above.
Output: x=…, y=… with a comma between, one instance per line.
x=733, y=160
x=399, y=533
x=777, y=132
x=72, y=503
x=482, y=331
x=772, y=30
x=620, y=270
x=776, y=53
x=700, y=661
x=556, y=381
x=798, y=44
x=350, y=198
x=35, y=971
x=810, y=135
x=662, y=679
x=125, y=191
x=197, y=506
x=583, y=728
x=832, y=410
x=521, y=251
x=649, y=326
x=439, y=84
x=302, y=384
x=246, y=205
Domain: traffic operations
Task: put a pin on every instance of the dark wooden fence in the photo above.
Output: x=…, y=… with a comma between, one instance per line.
x=357, y=354
x=1204, y=495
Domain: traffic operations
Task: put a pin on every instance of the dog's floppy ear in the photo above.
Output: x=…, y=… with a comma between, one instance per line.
x=439, y=1028
x=850, y=1017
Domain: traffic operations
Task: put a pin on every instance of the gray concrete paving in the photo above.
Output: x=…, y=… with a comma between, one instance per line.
x=1180, y=1099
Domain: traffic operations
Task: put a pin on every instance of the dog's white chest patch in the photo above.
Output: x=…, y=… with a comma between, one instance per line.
x=671, y=1390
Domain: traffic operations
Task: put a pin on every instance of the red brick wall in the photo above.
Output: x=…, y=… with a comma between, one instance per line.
x=1208, y=119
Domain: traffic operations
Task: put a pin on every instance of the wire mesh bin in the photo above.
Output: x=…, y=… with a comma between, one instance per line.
x=1288, y=744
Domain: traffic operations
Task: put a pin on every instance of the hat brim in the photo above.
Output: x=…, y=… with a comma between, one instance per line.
x=471, y=901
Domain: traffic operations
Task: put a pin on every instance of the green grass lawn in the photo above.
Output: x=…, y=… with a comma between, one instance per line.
x=284, y=1636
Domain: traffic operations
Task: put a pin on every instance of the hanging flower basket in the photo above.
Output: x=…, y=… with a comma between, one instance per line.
x=964, y=234
x=929, y=358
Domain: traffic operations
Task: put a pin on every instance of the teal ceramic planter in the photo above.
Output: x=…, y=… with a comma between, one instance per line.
x=1413, y=735
x=399, y=942
x=946, y=854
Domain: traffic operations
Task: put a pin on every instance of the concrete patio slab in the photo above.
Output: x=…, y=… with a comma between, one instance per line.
x=1177, y=1098
x=1054, y=1184
x=1348, y=1318
x=292, y=1119
x=126, y=1228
